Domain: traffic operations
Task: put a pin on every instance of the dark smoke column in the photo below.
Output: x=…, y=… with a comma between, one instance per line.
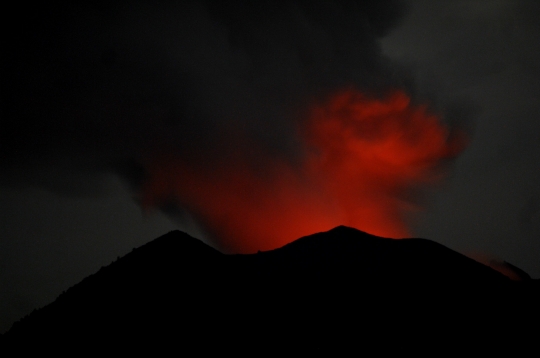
x=218, y=109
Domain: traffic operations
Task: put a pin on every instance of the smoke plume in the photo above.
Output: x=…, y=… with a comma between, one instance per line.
x=362, y=157
x=265, y=120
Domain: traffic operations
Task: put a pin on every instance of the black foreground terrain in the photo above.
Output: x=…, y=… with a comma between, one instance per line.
x=177, y=291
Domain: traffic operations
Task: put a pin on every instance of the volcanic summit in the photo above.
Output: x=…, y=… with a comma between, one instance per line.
x=177, y=287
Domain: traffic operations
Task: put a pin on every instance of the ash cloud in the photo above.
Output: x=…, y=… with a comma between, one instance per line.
x=124, y=87
x=97, y=87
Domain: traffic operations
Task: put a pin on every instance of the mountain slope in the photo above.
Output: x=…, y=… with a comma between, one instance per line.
x=178, y=286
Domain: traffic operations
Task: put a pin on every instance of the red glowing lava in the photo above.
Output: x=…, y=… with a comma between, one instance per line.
x=363, y=156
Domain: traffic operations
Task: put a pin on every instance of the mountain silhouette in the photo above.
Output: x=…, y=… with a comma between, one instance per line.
x=176, y=289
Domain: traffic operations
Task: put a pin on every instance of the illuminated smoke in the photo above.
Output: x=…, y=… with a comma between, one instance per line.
x=238, y=113
x=362, y=157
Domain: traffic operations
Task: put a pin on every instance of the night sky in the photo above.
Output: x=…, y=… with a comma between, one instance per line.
x=99, y=99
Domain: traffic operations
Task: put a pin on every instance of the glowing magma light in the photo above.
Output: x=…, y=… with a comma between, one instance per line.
x=363, y=157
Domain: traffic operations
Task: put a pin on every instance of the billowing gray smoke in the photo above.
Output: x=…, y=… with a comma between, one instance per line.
x=96, y=87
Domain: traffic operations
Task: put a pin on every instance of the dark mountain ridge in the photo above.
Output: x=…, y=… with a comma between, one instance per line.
x=177, y=283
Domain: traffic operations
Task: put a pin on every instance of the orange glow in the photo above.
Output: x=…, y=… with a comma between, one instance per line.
x=362, y=157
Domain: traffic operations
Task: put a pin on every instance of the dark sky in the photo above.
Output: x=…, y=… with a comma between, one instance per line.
x=92, y=93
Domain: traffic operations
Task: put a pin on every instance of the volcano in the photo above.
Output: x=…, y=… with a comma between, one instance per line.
x=178, y=290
